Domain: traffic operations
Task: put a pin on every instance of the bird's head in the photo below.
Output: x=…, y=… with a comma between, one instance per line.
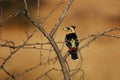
x=70, y=29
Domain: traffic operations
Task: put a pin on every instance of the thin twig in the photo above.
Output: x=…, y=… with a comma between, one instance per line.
x=26, y=7
x=38, y=9
x=112, y=36
x=12, y=15
x=61, y=18
x=38, y=78
x=52, y=11
x=15, y=51
x=54, y=45
x=95, y=36
x=1, y=14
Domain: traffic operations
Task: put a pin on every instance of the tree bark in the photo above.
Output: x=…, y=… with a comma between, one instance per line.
x=58, y=53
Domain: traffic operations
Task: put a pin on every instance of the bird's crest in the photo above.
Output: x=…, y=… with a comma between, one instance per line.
x=70, y=29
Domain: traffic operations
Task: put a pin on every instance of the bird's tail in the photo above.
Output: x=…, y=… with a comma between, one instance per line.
x=73, y=52
x=74, y=56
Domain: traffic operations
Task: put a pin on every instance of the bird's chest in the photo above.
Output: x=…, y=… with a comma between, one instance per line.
x=72, y=41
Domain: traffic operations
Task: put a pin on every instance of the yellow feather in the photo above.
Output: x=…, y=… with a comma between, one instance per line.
x=73, y=42
x=70, y=30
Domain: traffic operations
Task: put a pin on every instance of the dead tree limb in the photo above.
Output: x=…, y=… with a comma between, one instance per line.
x=13, y=52
x=61, y=18
x=51, y=40
x=96, y=36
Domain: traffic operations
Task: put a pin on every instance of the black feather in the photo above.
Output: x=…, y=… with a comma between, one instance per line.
x=72, y=51
x=74, y=54
x=69, y=37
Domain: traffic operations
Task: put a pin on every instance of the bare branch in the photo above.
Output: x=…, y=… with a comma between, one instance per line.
x=66, y=70
x=46, y=73
x=1, y=14
x=112, y=36
x=26, y=7
x=33, y=68
x=12, y=53
x=53, y=10
x=61, y=18
x=38, y=9
x=49, y=77
x=10, y=44
x=54, y=45
x=95, y=36
x=1, y=21
x=38, y=12
x=12, y=15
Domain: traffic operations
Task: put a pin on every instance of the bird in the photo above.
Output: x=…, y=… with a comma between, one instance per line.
x=72, y=41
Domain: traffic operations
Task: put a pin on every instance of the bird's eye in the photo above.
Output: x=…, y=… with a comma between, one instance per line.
x=68, y=28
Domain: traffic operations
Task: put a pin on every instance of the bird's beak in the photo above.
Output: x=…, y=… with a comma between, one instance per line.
x=65, y=28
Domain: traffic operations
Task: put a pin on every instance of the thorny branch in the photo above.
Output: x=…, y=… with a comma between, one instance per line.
x=67, y=71
x=13, y=52
x=95, y=36
x=51, y=40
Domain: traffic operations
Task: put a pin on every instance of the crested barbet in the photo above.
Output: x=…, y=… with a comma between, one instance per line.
x=71, y=41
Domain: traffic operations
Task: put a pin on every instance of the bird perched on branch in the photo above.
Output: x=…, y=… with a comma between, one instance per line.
x=71, y=41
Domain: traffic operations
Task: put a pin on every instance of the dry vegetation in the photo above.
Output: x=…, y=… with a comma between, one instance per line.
x=52, y=54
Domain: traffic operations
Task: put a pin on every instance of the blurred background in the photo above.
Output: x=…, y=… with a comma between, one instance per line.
x=101, y=60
